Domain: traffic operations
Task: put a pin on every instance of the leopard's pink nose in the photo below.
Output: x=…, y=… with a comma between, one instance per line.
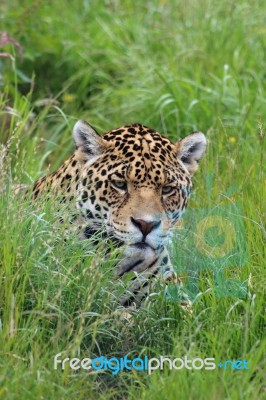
x=144, y=226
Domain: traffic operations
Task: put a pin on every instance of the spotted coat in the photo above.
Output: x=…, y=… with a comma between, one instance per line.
x=133, y=184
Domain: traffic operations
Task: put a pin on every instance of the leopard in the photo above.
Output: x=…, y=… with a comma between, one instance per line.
x=132, y=184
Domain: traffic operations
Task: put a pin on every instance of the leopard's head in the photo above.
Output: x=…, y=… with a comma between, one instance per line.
x=135, y=183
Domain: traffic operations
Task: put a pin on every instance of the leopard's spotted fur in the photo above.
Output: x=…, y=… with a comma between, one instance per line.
x=136, y=184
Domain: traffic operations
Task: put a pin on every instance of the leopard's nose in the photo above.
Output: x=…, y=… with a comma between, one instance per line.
x=144, y=226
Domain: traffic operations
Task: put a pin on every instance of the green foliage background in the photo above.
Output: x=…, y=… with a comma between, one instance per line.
x=175, y=66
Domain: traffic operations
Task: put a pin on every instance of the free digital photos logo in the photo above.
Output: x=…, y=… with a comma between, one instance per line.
x=115, y=365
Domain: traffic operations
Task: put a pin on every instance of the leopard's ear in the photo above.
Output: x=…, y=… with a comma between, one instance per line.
x=191, y=149
x=88, y=142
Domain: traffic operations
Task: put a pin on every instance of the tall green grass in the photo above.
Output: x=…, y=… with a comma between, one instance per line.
x=175, y=66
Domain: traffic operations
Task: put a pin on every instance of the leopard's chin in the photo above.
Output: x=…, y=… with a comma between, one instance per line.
x=137, y=258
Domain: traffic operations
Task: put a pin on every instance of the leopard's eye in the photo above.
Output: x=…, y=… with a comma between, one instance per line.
x=121, y=185
x=166, y=190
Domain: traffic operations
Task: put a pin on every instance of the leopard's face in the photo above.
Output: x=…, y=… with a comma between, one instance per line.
x=134, y=183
